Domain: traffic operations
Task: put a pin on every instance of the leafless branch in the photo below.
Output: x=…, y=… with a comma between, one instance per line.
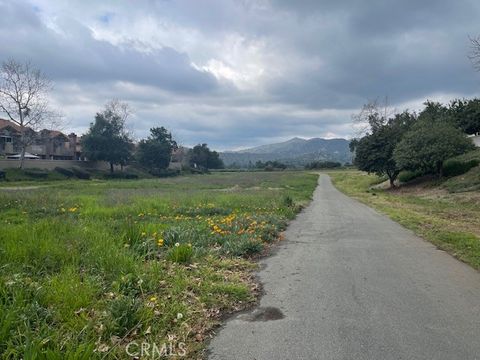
x=474, y=55
x=24, y=97
x=373, y=114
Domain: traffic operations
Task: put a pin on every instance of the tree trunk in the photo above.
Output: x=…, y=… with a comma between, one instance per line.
x=111, y=168
x=440, y=170
x=22, y=154
x=392, y=181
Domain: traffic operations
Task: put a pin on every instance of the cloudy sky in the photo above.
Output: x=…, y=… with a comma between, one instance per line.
x=238, y=73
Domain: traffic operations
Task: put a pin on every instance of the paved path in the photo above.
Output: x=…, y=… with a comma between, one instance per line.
x=349, y=283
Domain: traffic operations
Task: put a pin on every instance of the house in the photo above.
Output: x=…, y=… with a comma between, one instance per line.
x=46, y=144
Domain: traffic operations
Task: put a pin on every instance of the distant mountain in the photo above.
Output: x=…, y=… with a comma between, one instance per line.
x=295, y=151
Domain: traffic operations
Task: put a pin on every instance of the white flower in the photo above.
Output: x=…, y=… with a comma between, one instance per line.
x=177, y=244
x=179, y=316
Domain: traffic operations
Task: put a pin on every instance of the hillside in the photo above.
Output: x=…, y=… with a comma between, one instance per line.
x=295, y=151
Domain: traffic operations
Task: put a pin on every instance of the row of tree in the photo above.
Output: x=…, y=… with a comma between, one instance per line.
x=416, y=142
x=108, y=140
x=24, y=91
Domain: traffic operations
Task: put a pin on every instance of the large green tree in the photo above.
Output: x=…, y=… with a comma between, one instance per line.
x=107, y=138
x=201, y=156
x=466, y=114
x=428, y=145
x=155, y=152
x=374, y=152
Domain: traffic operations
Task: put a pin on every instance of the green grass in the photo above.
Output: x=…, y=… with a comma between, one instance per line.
x=470, y=181
x=448, y=220
x=90, y=266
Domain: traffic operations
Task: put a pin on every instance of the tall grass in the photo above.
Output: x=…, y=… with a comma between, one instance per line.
x=87, y=267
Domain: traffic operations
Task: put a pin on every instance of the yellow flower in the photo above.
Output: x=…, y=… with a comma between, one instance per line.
x=153, y=299
x=160, y=242
x=72, y=209
x=144, y=233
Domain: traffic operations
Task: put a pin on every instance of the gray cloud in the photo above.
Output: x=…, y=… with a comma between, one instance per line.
x=238, y=73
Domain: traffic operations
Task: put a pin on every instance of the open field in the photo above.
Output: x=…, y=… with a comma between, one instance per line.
x=88, y=267
x=448, y=219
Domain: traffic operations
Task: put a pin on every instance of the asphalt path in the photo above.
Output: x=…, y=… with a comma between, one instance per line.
x=348, y=283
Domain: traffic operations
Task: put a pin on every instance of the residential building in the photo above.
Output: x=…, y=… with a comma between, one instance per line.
x=46, y=144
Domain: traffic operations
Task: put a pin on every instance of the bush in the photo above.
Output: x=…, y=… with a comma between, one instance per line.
x=64, y=172
x=406, y=175
x=120, y=175
x=81, y=174
x=36, y=173
x=3, y=175
x=457, y=167
x=164, y=172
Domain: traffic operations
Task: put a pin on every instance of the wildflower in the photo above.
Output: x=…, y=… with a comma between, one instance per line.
x=160, y=242
x=177, y=244
x=179, y=316
x=189, y=245
x=72, y=209
x=153, y=299
x=144, y=233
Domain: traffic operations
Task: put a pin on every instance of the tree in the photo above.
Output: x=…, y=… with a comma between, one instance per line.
x=201, y=156
x=372, y=116
x=107, y=138
x=434, y=112
x=23, y=98
x=426, y=147
x=374, y=152
x=475, y=52
x=155, y=152
x=466, y=115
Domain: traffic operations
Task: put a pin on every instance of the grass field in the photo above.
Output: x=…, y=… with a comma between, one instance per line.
x=88, y=267
x=436, y=211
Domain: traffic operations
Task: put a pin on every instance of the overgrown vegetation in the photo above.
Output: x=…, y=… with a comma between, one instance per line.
x=88, y=267
x=416, y=144
x=449, y=220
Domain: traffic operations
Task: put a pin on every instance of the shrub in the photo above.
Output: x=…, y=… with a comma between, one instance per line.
x=406, y=175
x=64, y=172
x=3, y=175
x=120, y=175
x=180, y=253
x=164, y=172
x=36, y=173
x=81, y=174
x=457, y=167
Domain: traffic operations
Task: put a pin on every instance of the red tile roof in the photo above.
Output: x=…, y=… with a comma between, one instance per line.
x=5, y=123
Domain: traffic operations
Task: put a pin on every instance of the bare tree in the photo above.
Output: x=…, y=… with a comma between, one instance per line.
x=475, y=52
x=372, y=116
x=23, y=98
